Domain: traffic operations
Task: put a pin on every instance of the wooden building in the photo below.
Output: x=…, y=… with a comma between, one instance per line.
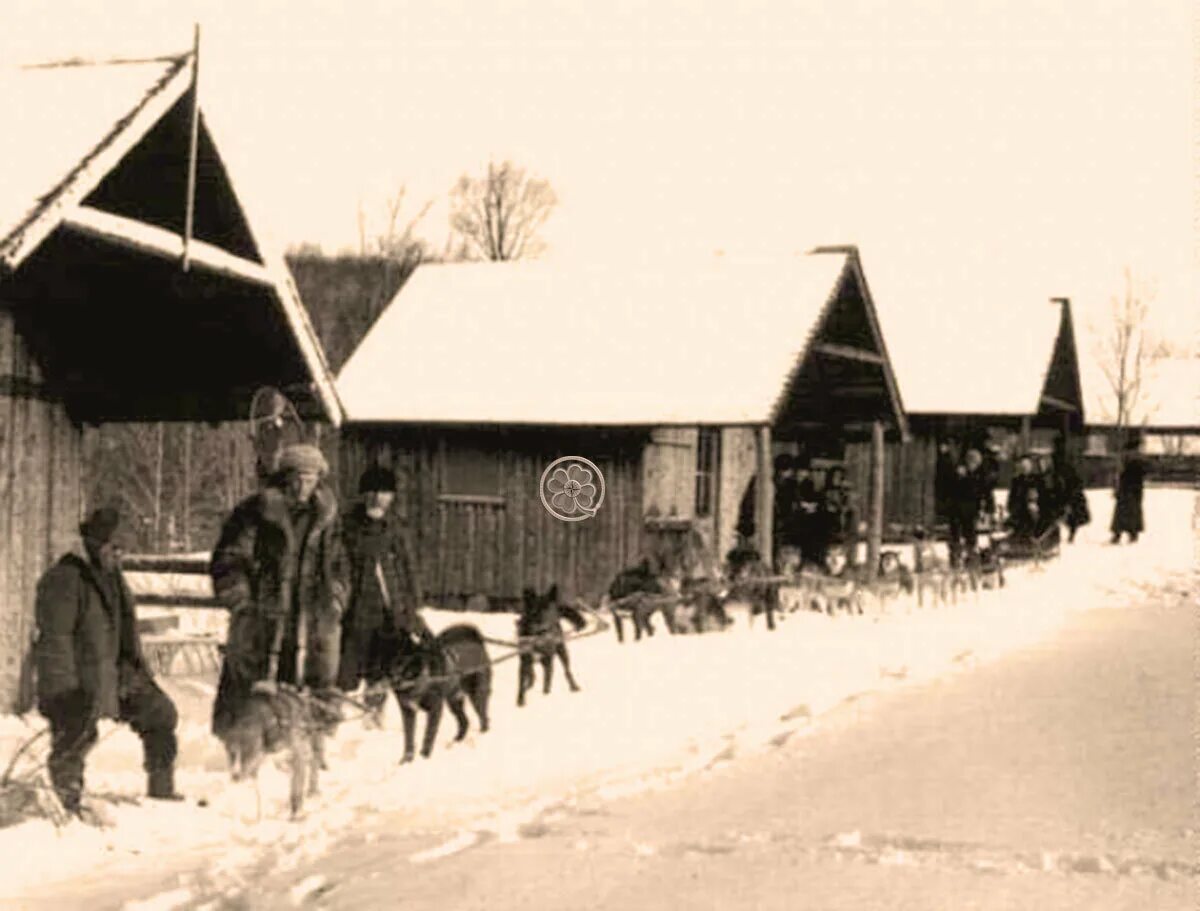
x=1008, y=375
x=132, y=287
x=679, y=384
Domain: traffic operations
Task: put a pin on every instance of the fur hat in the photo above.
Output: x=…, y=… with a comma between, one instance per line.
x=377, y=478
x=101, y=525
x=303, y=457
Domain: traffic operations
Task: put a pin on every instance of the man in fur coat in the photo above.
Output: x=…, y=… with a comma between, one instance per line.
x=90, y=666
x=280, y=561
x=385, y=591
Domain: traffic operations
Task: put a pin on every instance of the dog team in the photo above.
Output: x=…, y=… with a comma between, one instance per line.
x=319, y=605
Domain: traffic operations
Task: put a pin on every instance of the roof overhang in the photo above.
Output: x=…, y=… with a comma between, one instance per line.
x=135, y=317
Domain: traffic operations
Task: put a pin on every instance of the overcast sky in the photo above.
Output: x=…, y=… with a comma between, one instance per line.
x=978, y=149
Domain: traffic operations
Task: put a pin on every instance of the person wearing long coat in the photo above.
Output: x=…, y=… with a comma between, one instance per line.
x=279, y=564
x=385, y=591
x=90, y=666
x=1070, y=485
x=971, y=497
x=1127, y=511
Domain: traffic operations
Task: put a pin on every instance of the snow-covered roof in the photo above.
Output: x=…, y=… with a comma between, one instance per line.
x=1169, y=397
x=960, y=347
x=65, y=127
x=534, y=343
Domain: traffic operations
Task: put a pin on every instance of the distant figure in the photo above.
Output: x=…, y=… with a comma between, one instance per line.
x=748, y=508
x=1127, y=512
x=806, y=516
x=836, y=517
x=787, y=494
x=1070, y=485
x=90, y=666
x=944, y=481
x=1025, y=499
x=971, y=497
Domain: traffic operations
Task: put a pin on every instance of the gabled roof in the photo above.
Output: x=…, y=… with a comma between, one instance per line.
x=537, y=343
x=968, y=350
x=91, y=156
x=1169, y=398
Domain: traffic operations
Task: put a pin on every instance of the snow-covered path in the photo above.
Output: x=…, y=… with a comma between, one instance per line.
x=648, y=712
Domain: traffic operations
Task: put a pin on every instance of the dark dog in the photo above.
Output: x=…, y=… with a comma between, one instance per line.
x=748, y=576
x=637, y=594
x=540, y=636
x=283, y=721
x=702, y=608
x=428, y=677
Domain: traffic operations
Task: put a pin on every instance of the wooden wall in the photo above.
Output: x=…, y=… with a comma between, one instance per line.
x=907, y=482
x=498, y=543
x=41, y=501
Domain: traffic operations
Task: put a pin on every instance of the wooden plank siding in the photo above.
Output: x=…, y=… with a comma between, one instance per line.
x=908, y=479
x=41, y=500
x=499, y=542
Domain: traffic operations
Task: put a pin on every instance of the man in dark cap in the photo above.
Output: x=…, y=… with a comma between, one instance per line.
x=385, y=590
x=280, y=568
x=90, y=665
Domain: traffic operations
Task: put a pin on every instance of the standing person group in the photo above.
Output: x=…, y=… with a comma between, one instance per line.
x=807, y=518
x=302, y=580
x=314, y=602
x=1045, y=492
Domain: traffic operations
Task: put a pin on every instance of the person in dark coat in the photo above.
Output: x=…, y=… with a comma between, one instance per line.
x=972, y=497
x=806, y=516
x=90, y=666
x=1025, y=500
x=279, y=561
x=836, y=516
x=1075, y=506
x=385, y=591
x=945, y=481
x=787, y=496
x=1127, y=511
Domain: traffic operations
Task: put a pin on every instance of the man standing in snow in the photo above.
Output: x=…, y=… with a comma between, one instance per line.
x=1127, y=511
x=971, y=498
x=385, y=591
x=90, y=665
x=279, y=566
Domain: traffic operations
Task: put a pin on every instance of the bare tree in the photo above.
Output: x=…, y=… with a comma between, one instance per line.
x=1125, y=351
x=401, y=244
x=499, y=215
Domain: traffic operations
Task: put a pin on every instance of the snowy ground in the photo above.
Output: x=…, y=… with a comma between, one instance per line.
x=648, y=712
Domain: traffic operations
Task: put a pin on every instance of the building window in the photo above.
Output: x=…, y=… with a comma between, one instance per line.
x=470, y=473
x=707, y=458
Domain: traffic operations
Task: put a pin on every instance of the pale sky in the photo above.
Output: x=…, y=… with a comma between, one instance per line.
x=970, y=148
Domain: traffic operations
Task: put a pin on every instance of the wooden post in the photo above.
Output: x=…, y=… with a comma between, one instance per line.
x=1026, y=438
x=765, y=499
x=190, y=202
x=875, y=529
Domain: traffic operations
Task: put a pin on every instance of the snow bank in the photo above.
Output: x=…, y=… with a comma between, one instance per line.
x=648, y=712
